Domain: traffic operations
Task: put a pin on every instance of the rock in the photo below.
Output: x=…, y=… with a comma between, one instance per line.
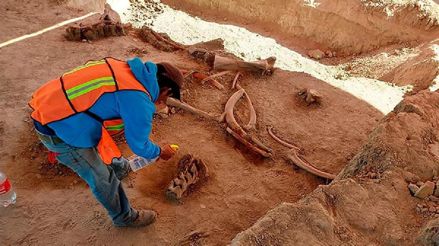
x=410, y=177
x=163, y=112
x=310, y=96
x=419, y=183
x=425, y=190
x=316, y=54
x=373, y=175
x=328, y=53
x=433, y=198
x=436, y=190
x=428, y=234
x=413, y=189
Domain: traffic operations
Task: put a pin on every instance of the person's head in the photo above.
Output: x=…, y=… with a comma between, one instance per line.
x=170, y=80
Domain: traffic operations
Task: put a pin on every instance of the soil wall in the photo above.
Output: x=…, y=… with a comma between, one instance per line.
x=348, y=27
x=95, y=5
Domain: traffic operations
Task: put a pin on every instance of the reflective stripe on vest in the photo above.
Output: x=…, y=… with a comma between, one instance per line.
x=78, y=90
x=114, y=127
x=88, y=86
x=87, y=64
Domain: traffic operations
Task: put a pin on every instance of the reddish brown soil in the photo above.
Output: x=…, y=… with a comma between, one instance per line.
x=360, y=209
x=54, y=207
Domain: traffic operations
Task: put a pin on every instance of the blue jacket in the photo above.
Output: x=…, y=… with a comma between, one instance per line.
x=133, y=107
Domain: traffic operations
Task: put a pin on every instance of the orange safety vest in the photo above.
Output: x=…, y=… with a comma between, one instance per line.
x=114, y=127
x=78, y=90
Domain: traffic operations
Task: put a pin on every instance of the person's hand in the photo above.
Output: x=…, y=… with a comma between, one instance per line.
x=167, y=152
x=163, y=96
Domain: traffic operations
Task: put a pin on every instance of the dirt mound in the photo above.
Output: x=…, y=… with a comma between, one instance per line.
x=349, y=27
x=419, y=71
x=361, y=209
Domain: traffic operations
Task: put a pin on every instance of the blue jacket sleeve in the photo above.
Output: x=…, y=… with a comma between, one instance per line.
x=137, y=111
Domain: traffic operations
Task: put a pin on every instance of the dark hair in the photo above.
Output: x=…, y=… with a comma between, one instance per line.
x=168, y=76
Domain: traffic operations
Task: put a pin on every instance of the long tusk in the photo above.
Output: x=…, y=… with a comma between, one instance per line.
x=179, y=104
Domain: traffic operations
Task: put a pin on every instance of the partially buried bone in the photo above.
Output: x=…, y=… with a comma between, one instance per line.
x=191, y=171
x=294, y=157
x=237, y=129
x=264, y=67
x=179, y=104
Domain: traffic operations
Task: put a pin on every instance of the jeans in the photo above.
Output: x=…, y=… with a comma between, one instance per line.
x=102, y=179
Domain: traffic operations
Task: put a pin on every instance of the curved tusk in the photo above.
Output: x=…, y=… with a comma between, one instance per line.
x=248, y=144
x=292, y=156
x=279, y=140
x=233, y=124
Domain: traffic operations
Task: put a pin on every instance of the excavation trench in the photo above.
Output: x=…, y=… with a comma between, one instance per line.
x=242, y=186
x=368, y=98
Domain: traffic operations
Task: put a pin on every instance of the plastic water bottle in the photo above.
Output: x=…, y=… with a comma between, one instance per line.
x=137, y=162
x=7, y=194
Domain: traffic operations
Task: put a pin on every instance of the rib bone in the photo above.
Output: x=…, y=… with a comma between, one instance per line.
x=248, y=144
x=293, y=157
x=252, y=121
x=233, y=124
x=307, y=166
x=235, y=80
x=279, y=140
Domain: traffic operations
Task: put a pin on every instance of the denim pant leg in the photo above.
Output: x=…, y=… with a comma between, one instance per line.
x=101, y=178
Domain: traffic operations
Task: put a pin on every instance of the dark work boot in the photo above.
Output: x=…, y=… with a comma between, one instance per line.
x=144, y=218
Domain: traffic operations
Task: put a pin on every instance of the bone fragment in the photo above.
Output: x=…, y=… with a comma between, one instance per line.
x=293, y=157
x=179, y=104
x=248, y=144
x=279, y=140
x=252, y=121
x=235, y=80
x=214, y=81
x=265, y=67
x=233, y=124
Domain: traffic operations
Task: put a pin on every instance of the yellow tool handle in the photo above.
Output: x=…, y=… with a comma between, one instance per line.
x=174, y=146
